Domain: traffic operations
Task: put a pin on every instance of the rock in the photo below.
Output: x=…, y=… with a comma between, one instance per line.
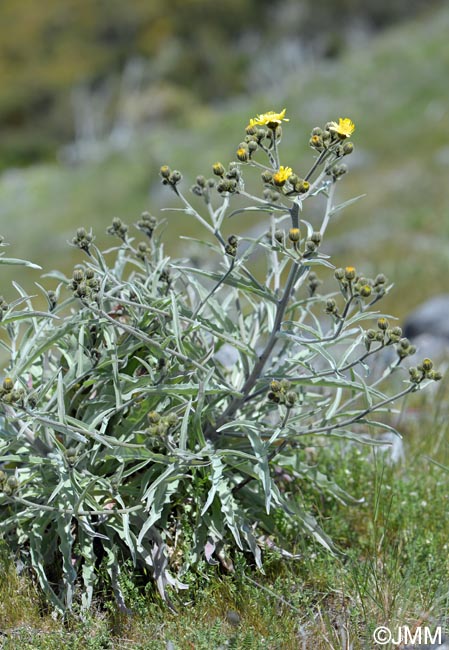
x=431, y=318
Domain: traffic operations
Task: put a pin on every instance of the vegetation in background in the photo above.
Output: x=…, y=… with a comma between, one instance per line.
x=193, y=51
x=393, y=86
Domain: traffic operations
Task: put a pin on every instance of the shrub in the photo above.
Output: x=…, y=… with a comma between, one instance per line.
x=158, y=412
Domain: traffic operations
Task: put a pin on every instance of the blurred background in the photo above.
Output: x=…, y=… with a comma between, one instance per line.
x=96, y=95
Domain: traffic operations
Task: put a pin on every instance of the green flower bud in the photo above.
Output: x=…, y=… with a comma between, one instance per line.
x=275, y=386
x=427, y=365
x=172, y=419
x=267, y=176
x=365, y=291
x=350, y=273
x=291, y=397
x=165, y=171
x=78, y=275
x=8, y=384
x=201, y=181
x=218, y=169
x=348, y=148
x=339, y=274
x=279, y=236
x=153, y=417
x=12, y=482
x=294, y=234
x=242, y=153
x=175, y=177
x=316, y=238
x=383, y=324
x=302, y=186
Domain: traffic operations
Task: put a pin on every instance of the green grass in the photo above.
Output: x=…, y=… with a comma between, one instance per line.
x=393, y=571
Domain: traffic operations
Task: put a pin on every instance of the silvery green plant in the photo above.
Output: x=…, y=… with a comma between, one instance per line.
x=158, y=411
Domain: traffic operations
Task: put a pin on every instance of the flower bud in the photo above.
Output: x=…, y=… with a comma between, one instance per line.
x=350, y=273
x=383, y=324
x=242, y=153
x=78, y=275
x=279, y=236
x=8, y=384
x=302, y=186
x=365, y=291
x=267, y=176
x=294, y=234
x=175, y=177
x=348, y=148
x=310, y=246
x=339, y=274
x=218, y=169
x=165, y=171
x=427, y=365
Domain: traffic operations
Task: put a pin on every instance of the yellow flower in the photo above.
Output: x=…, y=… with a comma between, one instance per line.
x=270, y=119
x=282, y=175
x=345, y=127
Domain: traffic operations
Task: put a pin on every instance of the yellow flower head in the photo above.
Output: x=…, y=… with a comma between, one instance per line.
x=282, y=175
x=345, y=127
x=270, y=119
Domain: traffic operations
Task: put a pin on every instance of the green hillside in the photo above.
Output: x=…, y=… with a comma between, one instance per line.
x=395, y=89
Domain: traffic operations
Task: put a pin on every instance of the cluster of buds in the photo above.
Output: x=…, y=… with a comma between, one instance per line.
x=333, y=135
x=83, y=240
x=203, y=185
x=358, y=285
x=161, y=424
x=322, y=139
x=147, y=224
x=3, y=307
x=310, y=245
x=118, y=229
x=285, y=180
x=424, y=370
x=11, y=395
x=331, y=308
x=84, y=284
x=336, y=171
x=281, y=393
x=386, y=335
x=230, y=180
x=170, y=177
x=231, y=246
x=8, y=484
x=404, y=348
